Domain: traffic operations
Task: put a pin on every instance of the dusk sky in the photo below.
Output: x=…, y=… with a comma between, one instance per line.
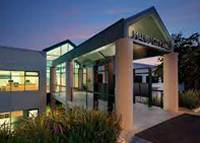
x=37, y=24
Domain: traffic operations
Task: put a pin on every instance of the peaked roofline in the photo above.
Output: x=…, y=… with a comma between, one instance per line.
x=59, y=44
x=141, y=15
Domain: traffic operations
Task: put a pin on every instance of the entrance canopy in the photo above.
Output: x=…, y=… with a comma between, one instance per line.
x=146, y=29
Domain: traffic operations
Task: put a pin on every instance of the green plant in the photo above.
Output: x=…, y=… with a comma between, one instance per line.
x=92, y=127
x=190, y=99
x=5, y=133
x=77, y=126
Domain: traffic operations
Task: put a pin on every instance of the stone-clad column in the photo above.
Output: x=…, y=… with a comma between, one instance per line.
x=171, y=82
x=52, y=87
x=69, y=84
x=124, y=82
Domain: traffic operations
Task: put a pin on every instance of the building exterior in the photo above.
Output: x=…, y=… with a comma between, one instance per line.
x=108, y=59
x=22, y=84
x=102, y=66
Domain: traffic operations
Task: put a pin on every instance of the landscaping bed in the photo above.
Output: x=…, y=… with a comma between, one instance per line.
x=190, y=100
x=77, y=126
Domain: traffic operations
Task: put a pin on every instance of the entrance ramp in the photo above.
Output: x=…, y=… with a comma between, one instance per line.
x=182, y=129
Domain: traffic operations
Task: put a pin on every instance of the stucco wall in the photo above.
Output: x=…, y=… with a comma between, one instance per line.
x=24, y=60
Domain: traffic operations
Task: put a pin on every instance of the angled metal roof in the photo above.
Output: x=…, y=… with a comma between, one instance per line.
x=59, y=44
x=108, y=35
x=111, y=34
x=143, y=14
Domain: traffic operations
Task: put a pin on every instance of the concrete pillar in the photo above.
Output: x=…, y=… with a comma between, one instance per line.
x=52, y=87
x=80, y=78
x=124, y=82
x=90, y=76
x=171, y=82
x=69, y=84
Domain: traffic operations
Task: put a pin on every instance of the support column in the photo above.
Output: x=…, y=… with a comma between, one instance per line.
x=111, y=86
x=52, y=87
x=69, y=84
x=96, y=87
x=124, y=82
x=90, y=76
x=171, y=82
x=80, y=78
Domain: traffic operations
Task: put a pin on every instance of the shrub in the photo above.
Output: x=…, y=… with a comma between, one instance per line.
x=190, y=99
x=5, y=133
x=77, y=126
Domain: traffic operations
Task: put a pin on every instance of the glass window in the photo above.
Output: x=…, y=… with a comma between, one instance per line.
x=5, y=118
x=32, y=83
x=65, y=49
x=4, y=81
x=70, y=47
x=54, y=52
x=16, y=116
x=32, y=73
x=63, y=79
x=17, y=80
x=84, y=79
x=76, y=80
x=33, y=113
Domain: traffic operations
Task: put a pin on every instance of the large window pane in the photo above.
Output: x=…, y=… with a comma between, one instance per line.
x=65, y=49
x=54, y=52
x=17, y=73
x=63, y=79
x=4, y=81
x=32, y=83
x=4, y=73
x=70, y=47
x=5, y=118
x=76, y=80
x=33, y=113
x=17, y=80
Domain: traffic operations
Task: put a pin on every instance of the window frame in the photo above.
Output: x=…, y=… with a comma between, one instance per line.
x=24, y=76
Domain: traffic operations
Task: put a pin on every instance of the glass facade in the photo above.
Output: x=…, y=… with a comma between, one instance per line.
x=18, y=81
x=54, y=54
x=60, y=78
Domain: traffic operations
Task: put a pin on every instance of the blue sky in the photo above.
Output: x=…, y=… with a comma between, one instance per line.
x=37, y=24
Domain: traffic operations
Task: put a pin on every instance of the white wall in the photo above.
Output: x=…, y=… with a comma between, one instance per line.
x=24, y=60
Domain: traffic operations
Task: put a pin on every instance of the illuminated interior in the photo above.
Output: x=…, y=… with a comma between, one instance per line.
x=18, y=81
x=11, y=119
x=54, y=54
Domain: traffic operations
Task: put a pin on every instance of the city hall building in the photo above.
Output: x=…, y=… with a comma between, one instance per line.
x=102, y=66
x=99, y=71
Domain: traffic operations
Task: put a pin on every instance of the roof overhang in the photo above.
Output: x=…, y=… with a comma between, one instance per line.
x=102, y=44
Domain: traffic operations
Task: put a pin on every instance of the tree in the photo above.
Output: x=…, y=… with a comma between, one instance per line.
x=189, y=60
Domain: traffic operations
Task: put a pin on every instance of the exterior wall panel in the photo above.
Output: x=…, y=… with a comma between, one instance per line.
x=12, y=59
